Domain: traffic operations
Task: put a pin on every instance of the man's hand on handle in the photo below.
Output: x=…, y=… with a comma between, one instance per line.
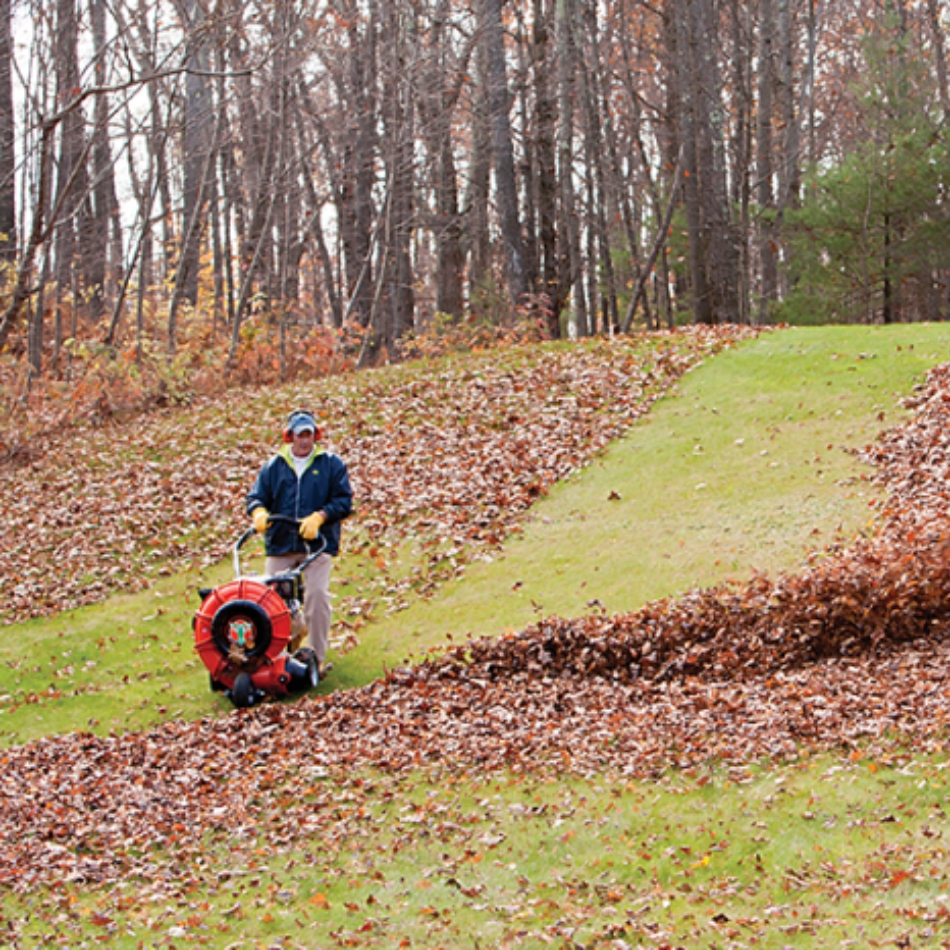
x=310, y=526
x=261, y=519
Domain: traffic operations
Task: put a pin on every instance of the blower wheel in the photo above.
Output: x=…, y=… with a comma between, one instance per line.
x=243, y=692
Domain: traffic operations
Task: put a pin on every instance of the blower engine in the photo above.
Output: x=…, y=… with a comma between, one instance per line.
x=248, y=633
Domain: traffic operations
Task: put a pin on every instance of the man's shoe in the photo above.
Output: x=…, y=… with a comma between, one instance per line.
x=325, y=668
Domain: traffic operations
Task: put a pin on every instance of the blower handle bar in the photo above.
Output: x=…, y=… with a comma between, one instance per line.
x=312, y=554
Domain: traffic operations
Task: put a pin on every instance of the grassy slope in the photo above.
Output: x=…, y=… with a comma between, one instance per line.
x=823, y=853
x=752, y=427
x=747, y=468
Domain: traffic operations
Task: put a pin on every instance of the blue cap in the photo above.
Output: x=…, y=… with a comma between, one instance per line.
x=300, y=422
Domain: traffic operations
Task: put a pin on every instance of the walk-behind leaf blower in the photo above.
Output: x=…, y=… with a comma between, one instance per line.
x=248, y=632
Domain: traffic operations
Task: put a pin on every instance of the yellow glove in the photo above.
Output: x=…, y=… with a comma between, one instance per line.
x=261, y=519
x=310, y=526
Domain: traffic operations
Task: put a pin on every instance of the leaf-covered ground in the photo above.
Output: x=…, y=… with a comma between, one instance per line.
x=852, y=651
x=447, y=455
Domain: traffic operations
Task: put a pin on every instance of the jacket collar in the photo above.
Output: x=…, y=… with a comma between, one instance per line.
x=285, y=450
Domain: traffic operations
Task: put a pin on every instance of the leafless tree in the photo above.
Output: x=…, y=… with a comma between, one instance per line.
x=8, y=220
x=205, y=172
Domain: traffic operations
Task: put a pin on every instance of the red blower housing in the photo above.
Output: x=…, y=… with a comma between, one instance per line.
x=245, y=630
x=245, y=626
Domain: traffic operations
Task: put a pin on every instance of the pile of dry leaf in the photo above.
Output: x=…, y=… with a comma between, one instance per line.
x=852, y=652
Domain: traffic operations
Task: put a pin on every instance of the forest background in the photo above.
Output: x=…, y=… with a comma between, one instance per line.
x=197, y=194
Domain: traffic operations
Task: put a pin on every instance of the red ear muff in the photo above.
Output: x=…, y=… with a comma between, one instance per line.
x=317, y=435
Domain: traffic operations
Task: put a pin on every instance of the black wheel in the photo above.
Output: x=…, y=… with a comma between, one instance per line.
x=242, y=625
x=242, y=692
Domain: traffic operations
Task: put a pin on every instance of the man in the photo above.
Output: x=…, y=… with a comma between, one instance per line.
x=303, y=482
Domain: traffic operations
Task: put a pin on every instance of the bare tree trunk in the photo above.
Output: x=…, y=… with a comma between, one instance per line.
x=569, y=281
x=808, y=83
x=72, y=175
x=603, y=264
x=39, y=233
x=545, y=98
x=634, y=214
x=157, y=142
x=940, y=55
x=480, y=270
x=357, y=176
x=8, y=222
x=623, y=204
x=258, y=243
x=527, y=167
x=743, y=56
x=146, y=193
x=198, y=162
x=764, y=167
x=683, y=94
x=398, y=123
x=589, y=267
x=105, y=203
x=315, y=225
x=714, y=258
x=721, y=249
x=37, y=318
x=790, y=168
x=503, y=151
x=658, y=245
x=437, y=99
x=228, y=187
x=219, y=261
x=449, y=294
x=326, y=264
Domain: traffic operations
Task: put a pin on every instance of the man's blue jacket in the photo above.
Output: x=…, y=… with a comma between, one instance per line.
x=324, y=486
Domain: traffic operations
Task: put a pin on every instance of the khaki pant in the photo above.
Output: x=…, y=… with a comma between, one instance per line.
x=317, y=609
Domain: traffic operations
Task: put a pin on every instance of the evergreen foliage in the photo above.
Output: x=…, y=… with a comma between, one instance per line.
x=873, y=229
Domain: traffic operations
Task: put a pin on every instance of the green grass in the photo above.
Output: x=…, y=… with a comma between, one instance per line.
x=119, y=665
x=824, y=852
x=746, y=467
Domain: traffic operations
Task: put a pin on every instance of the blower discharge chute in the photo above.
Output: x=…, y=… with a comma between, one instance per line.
x=248, y=632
